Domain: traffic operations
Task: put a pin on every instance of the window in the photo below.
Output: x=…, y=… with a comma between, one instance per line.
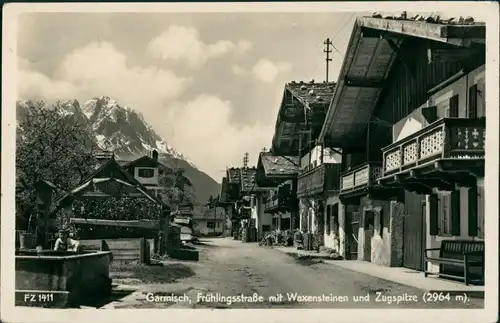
x=444, y=215
x=146, y=172
x=328, y=218
x=211, y=224
x=449, y=214
x=453, y=112
x=335, y=218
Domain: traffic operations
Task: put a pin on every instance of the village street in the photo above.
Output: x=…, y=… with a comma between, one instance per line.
x=230, y=268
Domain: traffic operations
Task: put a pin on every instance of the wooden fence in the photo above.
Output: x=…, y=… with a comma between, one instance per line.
x=126, y=250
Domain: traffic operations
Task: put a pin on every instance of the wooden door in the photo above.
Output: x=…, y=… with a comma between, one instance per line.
x=414, y=233
x=353, y=238
x=369, y=231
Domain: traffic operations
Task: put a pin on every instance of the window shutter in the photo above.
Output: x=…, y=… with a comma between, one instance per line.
x=472, y=211
x=381, y=218
x=454, y=106
x=433, y=215
x=430, y=113
x=328, y=219
x=473, y=102
x=455, y=213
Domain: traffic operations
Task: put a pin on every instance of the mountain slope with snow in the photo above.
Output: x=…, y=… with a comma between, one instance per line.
x=123, y=130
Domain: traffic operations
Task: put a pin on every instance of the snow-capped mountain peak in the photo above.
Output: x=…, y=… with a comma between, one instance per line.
x=124, y=130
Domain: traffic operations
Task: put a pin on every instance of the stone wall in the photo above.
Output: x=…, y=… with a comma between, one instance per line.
x=397, y=233
x=335, y=240
x=381, y=242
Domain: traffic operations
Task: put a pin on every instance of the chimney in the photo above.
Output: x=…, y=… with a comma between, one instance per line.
x=154, y=154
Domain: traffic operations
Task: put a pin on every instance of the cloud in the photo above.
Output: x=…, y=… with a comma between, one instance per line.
x=179, y=43
x=264, y=70
x=222, y=141
x=267, y=71
x=100, y=69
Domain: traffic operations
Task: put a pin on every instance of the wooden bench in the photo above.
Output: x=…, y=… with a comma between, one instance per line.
x=457, y=253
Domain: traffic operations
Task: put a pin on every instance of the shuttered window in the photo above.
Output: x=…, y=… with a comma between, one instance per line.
x=335, y=218
x=434, y=215
x=454, y=106
x=472, y=214
x=445, y=214
x=381, y=223
x=455, y=213
x=472, y=109
x=328, y=219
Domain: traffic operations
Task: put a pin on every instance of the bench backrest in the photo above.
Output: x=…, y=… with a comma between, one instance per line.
x=461, y=246
x=454, y=249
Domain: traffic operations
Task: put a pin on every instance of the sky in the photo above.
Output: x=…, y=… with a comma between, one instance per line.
x=210, y=84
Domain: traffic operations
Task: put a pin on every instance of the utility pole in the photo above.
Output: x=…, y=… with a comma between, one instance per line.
x=328, y=43
x=245, y=161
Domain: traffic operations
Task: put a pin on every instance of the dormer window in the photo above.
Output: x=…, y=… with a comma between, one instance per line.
x=146, y=172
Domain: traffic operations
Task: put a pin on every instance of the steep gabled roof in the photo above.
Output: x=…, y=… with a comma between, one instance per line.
x=279, y=166
x=130, y=164
x=233, y=175
x=100, y=173
x=248, y=179
x=373, y=48
x=303, y=107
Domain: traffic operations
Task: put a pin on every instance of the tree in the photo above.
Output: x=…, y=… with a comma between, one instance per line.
x=177, y=188
x=50, y=146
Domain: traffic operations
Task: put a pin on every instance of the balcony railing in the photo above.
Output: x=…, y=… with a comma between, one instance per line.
x=453, y=138
x=360, y=177
x=272, y=202
x=320, y=179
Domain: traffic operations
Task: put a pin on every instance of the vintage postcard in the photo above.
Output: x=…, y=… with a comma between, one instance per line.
x=250, y=162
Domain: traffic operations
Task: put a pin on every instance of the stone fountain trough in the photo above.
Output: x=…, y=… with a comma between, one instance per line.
x=61, y=279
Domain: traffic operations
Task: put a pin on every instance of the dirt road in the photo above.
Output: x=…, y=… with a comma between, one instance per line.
x=229, y=268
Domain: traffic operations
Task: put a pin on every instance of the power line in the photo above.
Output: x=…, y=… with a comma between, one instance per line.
x=343, y=27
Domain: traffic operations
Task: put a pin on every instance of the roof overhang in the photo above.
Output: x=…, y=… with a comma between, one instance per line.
x=371, y=53
x=458, y=35
x=296, y=117
x=286, y=168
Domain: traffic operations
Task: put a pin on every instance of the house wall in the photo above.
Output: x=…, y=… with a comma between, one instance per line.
x=201, y=226
x=333, y=240
x=380, y=243
x=306, y=212
x=408, y=89
x=261, y=217
x=150, y=180
x=435, y=241
x=416, y=121
x=329, y=156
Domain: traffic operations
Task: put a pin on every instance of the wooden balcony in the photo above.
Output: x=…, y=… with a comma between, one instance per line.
x=272, y=204
x=319, y=180
x=279, y=200
x=362, y=181
x=444, y=154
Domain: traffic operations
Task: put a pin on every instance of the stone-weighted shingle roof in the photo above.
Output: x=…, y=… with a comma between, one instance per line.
x=279, y=165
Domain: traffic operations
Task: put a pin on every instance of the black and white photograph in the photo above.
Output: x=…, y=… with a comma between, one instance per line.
x=236, y=162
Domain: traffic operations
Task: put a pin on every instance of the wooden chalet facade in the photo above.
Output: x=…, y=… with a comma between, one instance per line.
x=279, y=173
x=299, y=122
x=408, y=113
x=111, y=203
